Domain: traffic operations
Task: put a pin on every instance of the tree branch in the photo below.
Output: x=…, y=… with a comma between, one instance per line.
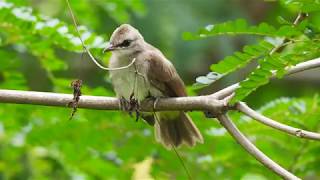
x=204, y=103
x=253, y=150
x=311, y=64
x=111, y=103
x=274, y=124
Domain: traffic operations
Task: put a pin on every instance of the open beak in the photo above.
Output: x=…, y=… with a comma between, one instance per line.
x=109, y=48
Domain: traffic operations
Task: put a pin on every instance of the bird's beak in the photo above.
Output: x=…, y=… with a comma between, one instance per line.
x=109, y=48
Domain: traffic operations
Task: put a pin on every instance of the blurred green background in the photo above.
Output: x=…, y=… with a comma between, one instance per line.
x=39, y=51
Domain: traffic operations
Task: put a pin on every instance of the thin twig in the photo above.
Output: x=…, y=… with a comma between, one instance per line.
x=311, y=64
x=228, y=90
x=277, y=125
x=87, y=50
x=164, y=104
x=253, y=150
x=301, y=16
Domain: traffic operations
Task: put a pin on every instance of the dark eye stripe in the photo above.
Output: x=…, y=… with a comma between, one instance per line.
x=125, y=43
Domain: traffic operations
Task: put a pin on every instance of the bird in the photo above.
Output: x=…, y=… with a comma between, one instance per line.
x=151, y=76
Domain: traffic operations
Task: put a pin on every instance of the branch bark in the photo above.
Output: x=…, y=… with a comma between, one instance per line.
x=111, y=103
x=181, y=103
x=311, y=64
x=253, y=150
x=210, y=103
x=274, y=124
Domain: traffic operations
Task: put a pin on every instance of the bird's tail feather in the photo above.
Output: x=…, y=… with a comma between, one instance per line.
x=175, y=129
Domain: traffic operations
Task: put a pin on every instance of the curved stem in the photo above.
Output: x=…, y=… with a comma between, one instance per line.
x=87, y=50
x=274, y=124
x=253, y=150
x=311, y=64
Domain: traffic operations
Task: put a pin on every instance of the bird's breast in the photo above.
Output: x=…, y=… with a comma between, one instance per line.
x=132, y=80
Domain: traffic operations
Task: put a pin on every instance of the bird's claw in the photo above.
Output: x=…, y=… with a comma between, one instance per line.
x=130, y=106
x=124, y=104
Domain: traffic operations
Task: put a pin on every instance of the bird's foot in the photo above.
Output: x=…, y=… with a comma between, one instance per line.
x=124, y=104
x=134, y=106
x=131, y=106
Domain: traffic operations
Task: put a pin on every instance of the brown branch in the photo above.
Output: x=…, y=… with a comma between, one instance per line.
x=253, y=150
x=202, y=103
x=274, y=124
x=111, y=103
x=181, y=103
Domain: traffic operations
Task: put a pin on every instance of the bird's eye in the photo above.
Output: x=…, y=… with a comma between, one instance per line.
x=126, y=43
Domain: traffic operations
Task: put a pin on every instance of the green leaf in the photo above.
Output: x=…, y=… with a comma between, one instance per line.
x=302, y=5
x=240, y=59
x=27, y=26
x=296, y=53
x=13, y=80
x=260, y=76
x=282, y=20
x=241, y=27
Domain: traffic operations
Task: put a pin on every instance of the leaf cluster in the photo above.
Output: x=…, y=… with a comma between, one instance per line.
x=277, y=49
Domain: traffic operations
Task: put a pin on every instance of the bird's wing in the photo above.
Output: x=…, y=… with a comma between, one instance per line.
x=162, y=75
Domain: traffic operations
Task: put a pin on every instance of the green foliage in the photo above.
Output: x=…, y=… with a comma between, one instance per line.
x=118, y=9
x=9, y=72
x=42, y=53
x=260, y=76
x=300, y=113
x=302, y=5
x=40, y=35
x=298, y=43
x=108, y=147
x=19, y=22
x=276, y=64
x=240, y=59
x=241, y=27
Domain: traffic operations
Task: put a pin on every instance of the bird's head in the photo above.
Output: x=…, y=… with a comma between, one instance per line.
x=125, y=40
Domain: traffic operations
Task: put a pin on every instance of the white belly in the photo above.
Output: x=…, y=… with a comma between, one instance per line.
x=133, y=80
x=130, y=81
x=127, y=82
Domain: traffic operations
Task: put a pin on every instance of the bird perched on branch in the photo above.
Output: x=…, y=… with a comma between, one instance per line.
x=150, y=76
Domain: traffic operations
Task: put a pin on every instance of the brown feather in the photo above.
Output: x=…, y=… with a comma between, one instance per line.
x=176, y=130
x=162, y=72
x=171, y=128
x=158, y=78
